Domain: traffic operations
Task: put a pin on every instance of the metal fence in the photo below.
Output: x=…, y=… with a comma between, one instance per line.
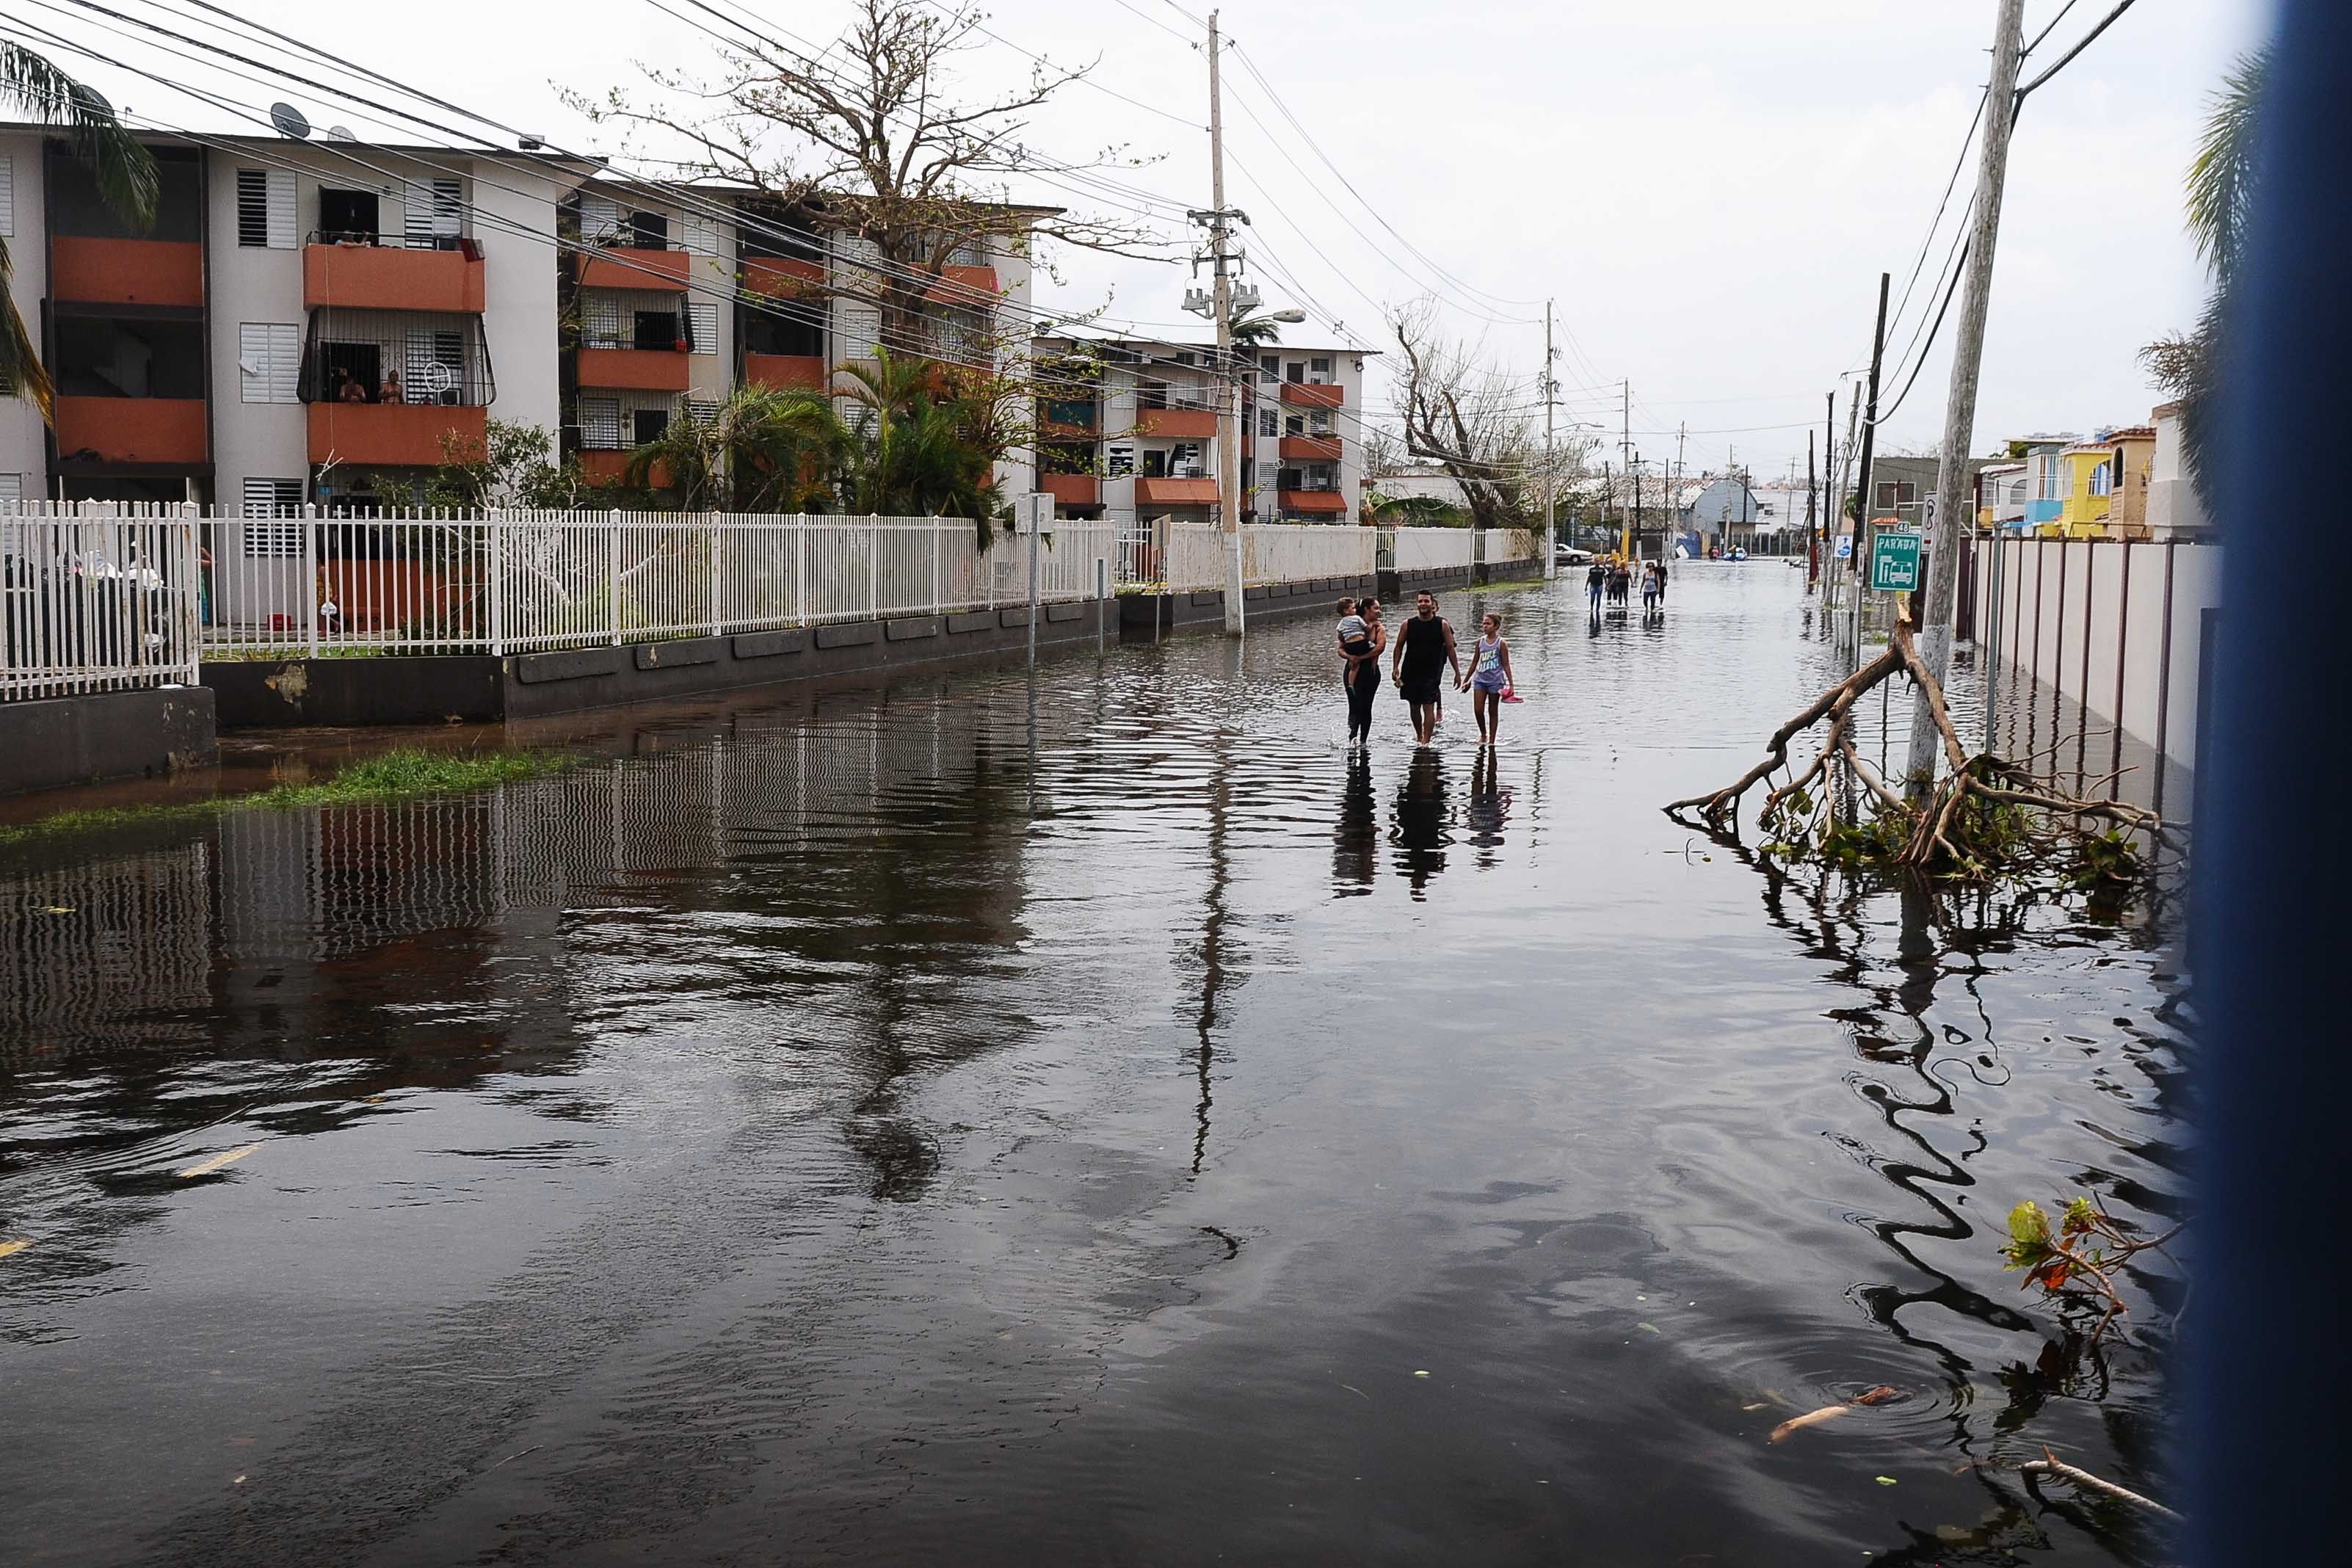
x=1198, y=556
x=99, y=597
x=517, y=581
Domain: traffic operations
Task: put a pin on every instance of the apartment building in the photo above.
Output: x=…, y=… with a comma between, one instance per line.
x=678, y=294
x=305, y=322
x=1127, y=429
x=317, y=321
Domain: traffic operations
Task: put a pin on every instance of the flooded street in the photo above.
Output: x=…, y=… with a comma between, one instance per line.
x=1081, y=1117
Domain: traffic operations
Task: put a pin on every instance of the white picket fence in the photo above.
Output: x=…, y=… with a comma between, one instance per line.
x=519, y=582
x=96, y=597
x=1196, y=557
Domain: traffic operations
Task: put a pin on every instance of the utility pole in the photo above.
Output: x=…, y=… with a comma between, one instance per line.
x=1229, y=396
x=1812, y=545
x=1861, y=460
x=1960, y=409
x=1551, y=484
x=1828, y=468
x=1625, y=450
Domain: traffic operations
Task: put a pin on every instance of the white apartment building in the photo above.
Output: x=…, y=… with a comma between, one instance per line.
x=1127, y=431
x=320, y=321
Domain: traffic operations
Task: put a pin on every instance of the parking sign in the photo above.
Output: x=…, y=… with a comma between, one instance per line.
x=1894, y=564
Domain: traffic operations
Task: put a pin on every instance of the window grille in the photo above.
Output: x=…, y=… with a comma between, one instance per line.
x=600, y=424
x=1269, y=369
x=703, y=410
x=1269, y=423
x=1318, y=370
x=7, y=195
x=1120, y=462
x=699, y=234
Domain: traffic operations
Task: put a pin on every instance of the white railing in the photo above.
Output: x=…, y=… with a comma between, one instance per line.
x=517, y=581
x=99, y=597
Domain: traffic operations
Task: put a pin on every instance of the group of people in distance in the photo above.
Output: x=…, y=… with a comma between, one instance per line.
x=1423, y=652
x=1613, y=578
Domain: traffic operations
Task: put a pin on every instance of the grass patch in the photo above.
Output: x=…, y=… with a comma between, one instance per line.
x=395, y=775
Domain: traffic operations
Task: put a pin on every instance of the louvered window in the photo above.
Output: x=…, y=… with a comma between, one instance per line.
x=703, y=410
x=269, y=361
x=270, y=499
x=699, y=234
x=702, y=326
x=434, y=211
x=7, y=195
x=600, y=424
x=265, y=209
x=600, y=220
x=12, y=487
x=1269, y=423
x=1269, y=475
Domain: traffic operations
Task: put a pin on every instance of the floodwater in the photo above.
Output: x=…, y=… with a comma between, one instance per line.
x=1083, y=1117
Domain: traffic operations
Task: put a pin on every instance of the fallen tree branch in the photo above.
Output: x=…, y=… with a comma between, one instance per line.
x=2051, y=1465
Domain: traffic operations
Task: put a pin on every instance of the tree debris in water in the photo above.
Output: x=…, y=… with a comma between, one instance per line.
x=2082, y=1254
x=1795, y=1424
x=1987, y=818
x=206, y=1167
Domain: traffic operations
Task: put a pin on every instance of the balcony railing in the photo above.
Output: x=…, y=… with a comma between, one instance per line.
x=635, y=267
x=442, y=273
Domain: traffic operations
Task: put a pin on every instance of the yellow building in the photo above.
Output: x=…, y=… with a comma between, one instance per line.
x=2135, y=449
x=2086, y=473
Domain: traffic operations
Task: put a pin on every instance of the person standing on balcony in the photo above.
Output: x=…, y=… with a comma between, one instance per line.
x=1424, y=649
x=392, y=392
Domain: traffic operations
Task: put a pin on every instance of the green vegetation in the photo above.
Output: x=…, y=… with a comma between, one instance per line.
x=395, y=775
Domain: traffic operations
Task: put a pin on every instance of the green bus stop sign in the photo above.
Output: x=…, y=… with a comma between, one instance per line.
x=1894, y=564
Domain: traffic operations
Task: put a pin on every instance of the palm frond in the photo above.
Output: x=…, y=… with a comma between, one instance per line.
x=22, y=373
x=2223, y=177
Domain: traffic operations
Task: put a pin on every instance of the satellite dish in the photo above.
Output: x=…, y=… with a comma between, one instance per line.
x=289, y=121
x=340, y=133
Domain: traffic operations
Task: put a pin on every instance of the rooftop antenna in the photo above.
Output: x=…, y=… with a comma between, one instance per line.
x=289, y=121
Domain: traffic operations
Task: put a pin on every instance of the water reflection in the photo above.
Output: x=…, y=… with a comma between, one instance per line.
x=1420, y=823
x=1489, y=809
x=1355, y=844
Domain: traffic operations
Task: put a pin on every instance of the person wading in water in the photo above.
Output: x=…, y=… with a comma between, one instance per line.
x=1424, y=647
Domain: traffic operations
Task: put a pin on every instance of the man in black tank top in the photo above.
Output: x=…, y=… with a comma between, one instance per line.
x=1424, y=647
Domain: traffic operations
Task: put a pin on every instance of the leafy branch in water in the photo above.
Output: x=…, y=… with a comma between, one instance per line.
x=1987, y=818
x=2081, y=1255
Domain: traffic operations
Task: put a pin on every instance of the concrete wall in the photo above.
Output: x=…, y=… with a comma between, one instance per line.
x=520, y=268
x=2081, y=616
x=24, y=451
x=70, y=740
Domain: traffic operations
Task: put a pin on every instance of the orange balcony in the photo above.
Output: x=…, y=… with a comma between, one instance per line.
x=625, y=267
x=127, y=271
x=636, y=370
x=974, y=288
x=395, y=435
x=1310, y=449
x=1176, y=492
x=133, y=430
x=785, y=373
x=782, y=276
x=1325, y=502
x=1075, y=490
x=606, y=468
x=1307, y=395
x=1182, y=424
x=391, y=277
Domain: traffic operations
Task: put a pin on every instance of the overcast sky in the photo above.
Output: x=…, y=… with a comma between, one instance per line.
x=1707, y=188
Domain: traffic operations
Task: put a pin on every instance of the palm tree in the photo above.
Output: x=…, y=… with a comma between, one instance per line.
x=1254, y=328
x=126, y=179
x=762, y=450
x=2222, y=184
x=916, y=453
